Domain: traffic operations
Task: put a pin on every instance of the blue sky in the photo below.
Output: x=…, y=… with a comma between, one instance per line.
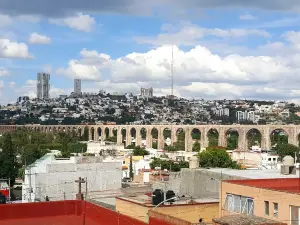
x=233, y=50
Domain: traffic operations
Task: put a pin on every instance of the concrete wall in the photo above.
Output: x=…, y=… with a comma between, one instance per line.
x=198, y=183
x=187, y=212
x=193, y=212
x=58, y=183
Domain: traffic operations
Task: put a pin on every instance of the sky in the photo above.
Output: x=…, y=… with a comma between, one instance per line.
x=222, y=49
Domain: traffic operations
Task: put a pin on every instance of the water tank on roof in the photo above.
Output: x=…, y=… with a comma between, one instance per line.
x=170, y=194
x=288, y=161
x=194, y=162
x=157, y=196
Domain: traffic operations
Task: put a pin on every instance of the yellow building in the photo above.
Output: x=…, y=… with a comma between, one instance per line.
x=188, y=211
x=276, y=199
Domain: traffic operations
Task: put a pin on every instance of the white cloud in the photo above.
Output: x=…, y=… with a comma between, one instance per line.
x=29, y=89
x=47, y=69
x=79, y=22
x=247, y=16
x=190, y=34
x=1, y=84
x=81, y=71
x=198, y=72
x=5, y=20
x=11, y=49
x=3, y=72
x=29, y=18
x=12, y=84
x=36, y=38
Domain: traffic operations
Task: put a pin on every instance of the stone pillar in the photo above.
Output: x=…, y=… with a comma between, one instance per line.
x=160, y=139
x=90, y=134
x=128, y=137
x=188, y=145
x=119, y=136
x=242, y=140
x=222, y=140
x=111, y=132
x=292, y=136
x=138, y=137
x=204, y=138
x=173, y=135
x=96, y=135
x=265, y=138
x=148, y=138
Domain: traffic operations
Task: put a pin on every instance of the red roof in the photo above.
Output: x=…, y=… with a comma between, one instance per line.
x=280, y=184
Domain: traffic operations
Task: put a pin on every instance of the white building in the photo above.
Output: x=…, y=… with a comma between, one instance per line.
x=255, y=159
x=55, y=178
x=95, y=147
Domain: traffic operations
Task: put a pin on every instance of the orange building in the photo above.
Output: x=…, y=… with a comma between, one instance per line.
x=276, y=199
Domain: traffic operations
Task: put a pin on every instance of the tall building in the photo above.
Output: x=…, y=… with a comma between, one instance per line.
x=147, y=92
x=43, y=85
x=77, y=86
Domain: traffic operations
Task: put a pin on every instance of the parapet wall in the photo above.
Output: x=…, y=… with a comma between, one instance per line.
x=99, y=215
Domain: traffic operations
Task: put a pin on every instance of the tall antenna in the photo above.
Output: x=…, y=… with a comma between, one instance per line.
x=172, y=72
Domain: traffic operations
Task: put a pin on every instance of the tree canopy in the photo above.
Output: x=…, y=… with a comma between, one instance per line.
x=170, y=165
x=216, y=157
x=9, y=166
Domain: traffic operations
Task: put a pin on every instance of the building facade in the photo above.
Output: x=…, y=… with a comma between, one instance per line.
x=77, y=86
x=276, y=199
x=147, y=92
x=43, y=85
x=55, y=178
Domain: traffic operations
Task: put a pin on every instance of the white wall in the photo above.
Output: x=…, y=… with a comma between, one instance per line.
x=57, y=181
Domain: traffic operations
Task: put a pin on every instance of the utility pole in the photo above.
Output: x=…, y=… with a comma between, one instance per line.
x=79, y=195
x=86, y=188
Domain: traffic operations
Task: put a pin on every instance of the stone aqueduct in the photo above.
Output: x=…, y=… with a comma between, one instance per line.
x=103, y=131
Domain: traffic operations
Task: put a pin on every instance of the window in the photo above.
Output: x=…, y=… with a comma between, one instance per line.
x=275, y=206
x=267, y=208
x=294, y=212
x=239, y=204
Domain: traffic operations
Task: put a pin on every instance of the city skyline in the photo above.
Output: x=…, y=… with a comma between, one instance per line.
x=246, y=51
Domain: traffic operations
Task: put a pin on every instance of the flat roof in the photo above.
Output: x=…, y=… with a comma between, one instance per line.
x=147, y=201
x=253, y=174
x=287, y=184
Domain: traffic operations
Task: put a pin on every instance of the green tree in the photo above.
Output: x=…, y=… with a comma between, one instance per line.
x=232, y=141
x=278, y=138
x=213, y=139
x=287, y=149
x=85, y=136
x=170, y=165
x=9, y=166
x=154, y=145
x=31, y=153
x=111, y=139
x=216, y=157
x=138, y=151
x=196, y=146
x=131, y=169
x=154, y=133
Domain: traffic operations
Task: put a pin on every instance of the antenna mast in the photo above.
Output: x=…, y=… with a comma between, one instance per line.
x=172, y=73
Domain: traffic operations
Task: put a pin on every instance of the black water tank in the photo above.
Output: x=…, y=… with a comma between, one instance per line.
x=170, y=194
x=157, y=196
